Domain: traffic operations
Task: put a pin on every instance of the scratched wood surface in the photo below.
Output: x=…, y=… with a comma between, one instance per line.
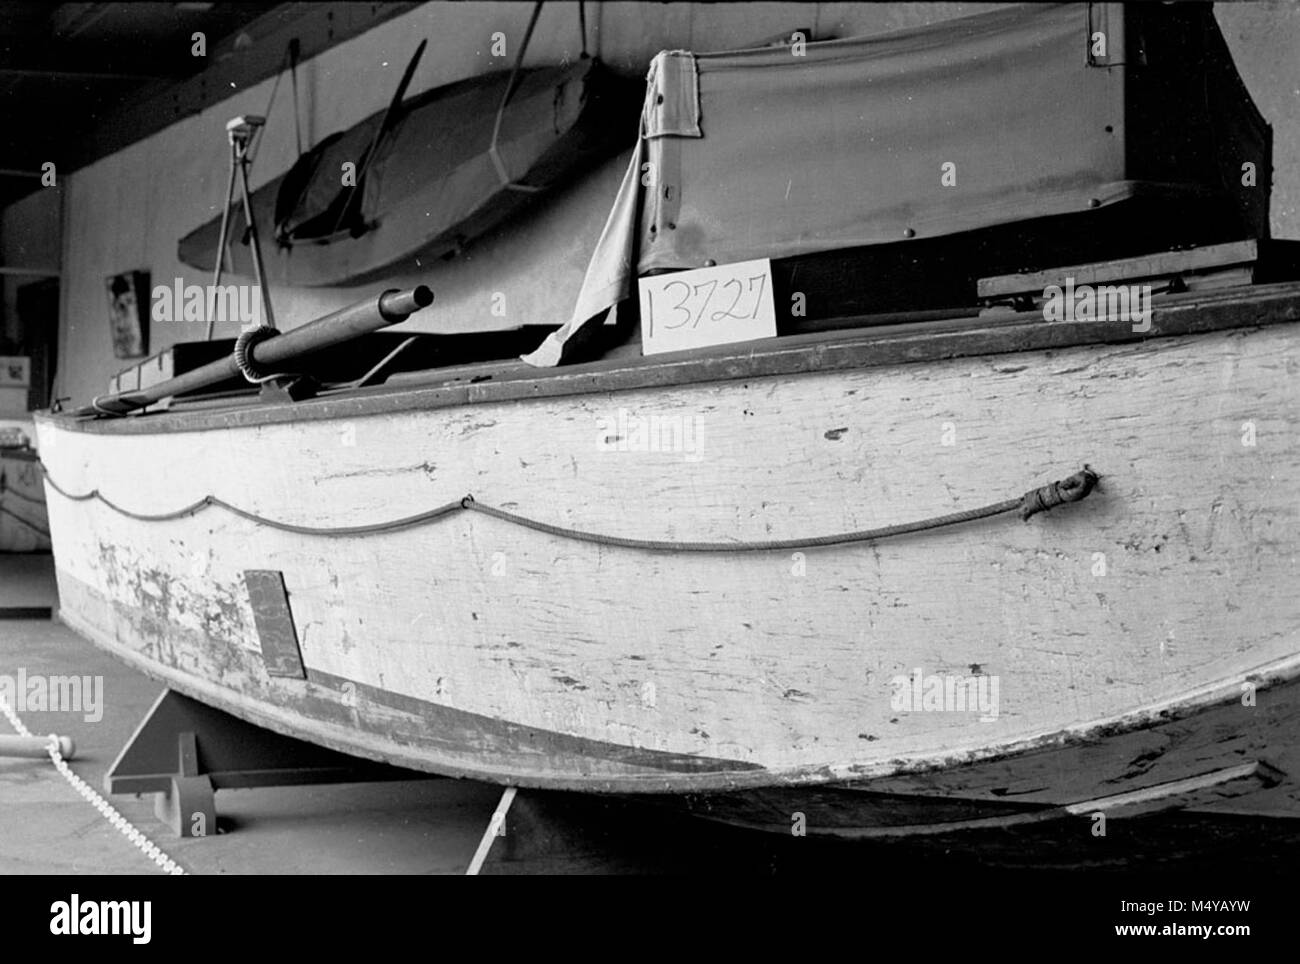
x=474, y=646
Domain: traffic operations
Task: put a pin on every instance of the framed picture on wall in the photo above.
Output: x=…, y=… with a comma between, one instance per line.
x=15, y=371
x=128, y=313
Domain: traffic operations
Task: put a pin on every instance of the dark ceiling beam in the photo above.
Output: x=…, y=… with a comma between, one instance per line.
x=30, y=272
x=18, y=59
x=43, y=73
x=259, y=55
x=70, y=19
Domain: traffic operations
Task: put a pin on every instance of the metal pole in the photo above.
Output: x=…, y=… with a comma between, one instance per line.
x=268, y=317
x=495, y=828
x=221, y=240
x=36, y=747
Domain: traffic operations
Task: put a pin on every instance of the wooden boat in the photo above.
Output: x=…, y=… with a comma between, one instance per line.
x=1122, y=628
x=432, y=185
x=776, y=581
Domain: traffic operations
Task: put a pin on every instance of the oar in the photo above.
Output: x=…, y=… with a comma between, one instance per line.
x=390, y=118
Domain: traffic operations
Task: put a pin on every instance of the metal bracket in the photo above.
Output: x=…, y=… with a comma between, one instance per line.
x=290, y=388
x=184, y=751
x=274, y=622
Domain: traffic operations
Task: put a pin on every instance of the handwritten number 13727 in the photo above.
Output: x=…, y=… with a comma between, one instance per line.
x=687, y=316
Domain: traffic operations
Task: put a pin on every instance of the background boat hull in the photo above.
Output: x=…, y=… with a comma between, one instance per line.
x=22, y=503
x=433, y=187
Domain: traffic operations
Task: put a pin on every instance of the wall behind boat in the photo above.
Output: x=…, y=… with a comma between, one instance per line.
x=29, y=238
x=127, y=211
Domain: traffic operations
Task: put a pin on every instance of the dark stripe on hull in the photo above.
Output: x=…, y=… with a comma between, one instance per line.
x=447, y=719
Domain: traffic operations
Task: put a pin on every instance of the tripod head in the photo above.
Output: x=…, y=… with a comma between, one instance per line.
x=240, y=130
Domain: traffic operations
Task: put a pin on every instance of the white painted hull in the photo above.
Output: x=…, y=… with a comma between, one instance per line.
x=474, y=647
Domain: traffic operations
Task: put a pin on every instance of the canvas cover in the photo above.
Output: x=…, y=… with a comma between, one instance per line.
x=980, y=121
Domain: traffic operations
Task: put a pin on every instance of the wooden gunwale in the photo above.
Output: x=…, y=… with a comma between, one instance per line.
x=853, y=348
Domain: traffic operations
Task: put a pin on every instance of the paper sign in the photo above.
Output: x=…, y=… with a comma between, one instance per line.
x=707, y=306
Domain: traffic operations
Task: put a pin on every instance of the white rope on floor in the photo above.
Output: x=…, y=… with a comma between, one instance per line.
x=91, y=795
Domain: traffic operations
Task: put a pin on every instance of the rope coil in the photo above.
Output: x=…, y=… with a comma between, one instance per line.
x=243, y=352
x=1072, y=489
x=97, y=406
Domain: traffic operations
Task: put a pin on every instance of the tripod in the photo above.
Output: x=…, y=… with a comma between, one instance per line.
x=240, y=133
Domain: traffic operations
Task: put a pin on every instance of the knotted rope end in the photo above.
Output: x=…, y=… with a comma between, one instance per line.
x=1075, y=488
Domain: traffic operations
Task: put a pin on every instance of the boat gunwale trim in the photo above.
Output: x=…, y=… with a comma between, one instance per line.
x=851, y=348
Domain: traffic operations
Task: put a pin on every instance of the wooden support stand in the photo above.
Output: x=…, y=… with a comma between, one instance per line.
x=185, y=751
